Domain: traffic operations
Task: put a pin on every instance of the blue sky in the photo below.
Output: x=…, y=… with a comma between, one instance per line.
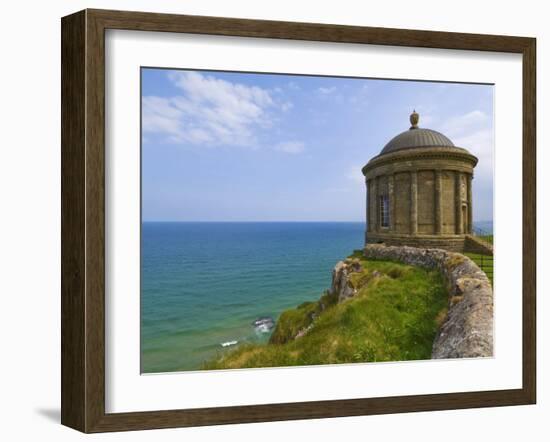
x=219, y=146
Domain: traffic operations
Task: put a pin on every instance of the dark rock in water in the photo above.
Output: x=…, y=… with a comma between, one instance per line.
x=264, y=324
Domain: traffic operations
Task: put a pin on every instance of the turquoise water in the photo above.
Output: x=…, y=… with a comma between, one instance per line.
x=203, y=284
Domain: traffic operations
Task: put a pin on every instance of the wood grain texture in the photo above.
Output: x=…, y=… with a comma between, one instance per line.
x=83, y=219
x=145, y=21
x=95, y=222
x=73, y=129
x=529, y=220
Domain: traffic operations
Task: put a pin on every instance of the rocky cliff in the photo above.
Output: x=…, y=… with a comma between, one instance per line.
x=296, y=323
x=374, y=311
x=384, y=304
x=342, y=287
x=467, y=330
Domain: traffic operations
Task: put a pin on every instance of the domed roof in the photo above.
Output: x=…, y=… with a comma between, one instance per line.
x=416, y=137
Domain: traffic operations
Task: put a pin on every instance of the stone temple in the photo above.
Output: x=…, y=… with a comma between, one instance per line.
x=419, y=191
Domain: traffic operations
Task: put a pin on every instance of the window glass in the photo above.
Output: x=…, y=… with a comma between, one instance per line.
x=384, y=211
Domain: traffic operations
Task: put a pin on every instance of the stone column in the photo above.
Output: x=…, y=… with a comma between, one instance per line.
x=375, y=222
x=368, y=184
x=459, y=225
x=438, y=202
x=391, y=202
x=414, y=203
x=469, y=178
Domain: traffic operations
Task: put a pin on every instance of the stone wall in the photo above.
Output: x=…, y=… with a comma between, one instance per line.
x=473, y=244
x=448, y=203
x=467, y=331
x=429, y=192
x=426, y=202
x=402, y=195
x=453, y=243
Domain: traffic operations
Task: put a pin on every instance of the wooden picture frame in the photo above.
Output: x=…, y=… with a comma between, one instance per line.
x=83, y=220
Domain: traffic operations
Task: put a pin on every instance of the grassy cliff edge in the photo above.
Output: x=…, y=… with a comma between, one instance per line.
x=393, y=316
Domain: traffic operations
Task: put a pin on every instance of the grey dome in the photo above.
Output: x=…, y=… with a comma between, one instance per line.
x=417, y=137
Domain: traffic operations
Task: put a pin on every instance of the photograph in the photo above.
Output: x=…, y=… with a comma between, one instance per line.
x=301, y=220
x=251, y=221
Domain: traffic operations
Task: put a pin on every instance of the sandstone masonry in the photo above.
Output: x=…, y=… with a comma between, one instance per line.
x=419, y=191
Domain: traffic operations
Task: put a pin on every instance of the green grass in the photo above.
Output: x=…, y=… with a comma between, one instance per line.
x=484, y=262
x=394, y=317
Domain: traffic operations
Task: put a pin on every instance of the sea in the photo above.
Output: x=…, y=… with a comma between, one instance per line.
x=203, y=284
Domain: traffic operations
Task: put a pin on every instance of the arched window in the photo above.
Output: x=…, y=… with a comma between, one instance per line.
x=384, y=211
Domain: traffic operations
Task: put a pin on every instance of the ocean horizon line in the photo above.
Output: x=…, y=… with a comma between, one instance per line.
x=267, y=221
x=254, y=221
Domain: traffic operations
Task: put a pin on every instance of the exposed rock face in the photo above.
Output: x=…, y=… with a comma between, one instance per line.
x=340, y=290
x=341, y=284
x=467, y=331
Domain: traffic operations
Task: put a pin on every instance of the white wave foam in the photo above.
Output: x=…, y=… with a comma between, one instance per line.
x=229, y=343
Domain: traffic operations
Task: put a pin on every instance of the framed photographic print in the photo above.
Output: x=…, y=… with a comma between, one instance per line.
x=270, y=220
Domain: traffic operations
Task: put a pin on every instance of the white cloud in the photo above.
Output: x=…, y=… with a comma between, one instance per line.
x=210, y=111
x=326, y=90
x=354, y=174
x=160, y=116
x=474, y=131
x=292, y=147
x=480, y=143
x=426, y=120
x=466, y=123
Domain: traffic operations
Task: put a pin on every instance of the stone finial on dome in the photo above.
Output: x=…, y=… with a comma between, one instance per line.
x=414, y=120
